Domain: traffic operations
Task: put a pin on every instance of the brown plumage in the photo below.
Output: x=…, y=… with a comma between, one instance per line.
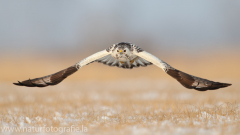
x=52, y=79
x=193, y=82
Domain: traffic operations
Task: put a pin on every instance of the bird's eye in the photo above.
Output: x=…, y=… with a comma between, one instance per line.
x=117, y=50
x=124, y=50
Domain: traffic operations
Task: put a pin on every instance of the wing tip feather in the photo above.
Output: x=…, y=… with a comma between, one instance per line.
x=214, y=86
x=226, y=84
x=18, y=84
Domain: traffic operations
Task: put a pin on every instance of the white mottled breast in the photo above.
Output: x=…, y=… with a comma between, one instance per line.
x=123, y=57
x=127, y=56
x=134, y=61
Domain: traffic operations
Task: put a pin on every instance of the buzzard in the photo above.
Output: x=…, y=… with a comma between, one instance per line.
x=126, y=55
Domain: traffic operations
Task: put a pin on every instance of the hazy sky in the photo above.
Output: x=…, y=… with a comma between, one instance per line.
x=51, y=25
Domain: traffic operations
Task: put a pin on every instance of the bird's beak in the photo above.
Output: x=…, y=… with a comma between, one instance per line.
x=120, y=51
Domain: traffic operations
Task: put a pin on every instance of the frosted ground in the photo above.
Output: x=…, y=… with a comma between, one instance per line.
x=132, y=106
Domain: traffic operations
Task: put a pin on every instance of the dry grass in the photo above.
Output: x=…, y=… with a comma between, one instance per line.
x=106, y=102
x=142, y=106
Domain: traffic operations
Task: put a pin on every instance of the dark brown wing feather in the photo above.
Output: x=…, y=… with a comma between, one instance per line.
x=193, y=82
x=52, y=79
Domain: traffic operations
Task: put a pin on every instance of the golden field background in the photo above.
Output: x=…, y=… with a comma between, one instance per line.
x=110, y=100
x=223, y=64
x=40, y=37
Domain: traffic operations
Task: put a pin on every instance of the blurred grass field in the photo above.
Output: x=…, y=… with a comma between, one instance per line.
x=109, y=100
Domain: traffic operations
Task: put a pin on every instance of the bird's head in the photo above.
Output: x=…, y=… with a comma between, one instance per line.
x=122, y=50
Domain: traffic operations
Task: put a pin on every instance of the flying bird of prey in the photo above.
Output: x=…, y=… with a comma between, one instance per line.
x=126, y=55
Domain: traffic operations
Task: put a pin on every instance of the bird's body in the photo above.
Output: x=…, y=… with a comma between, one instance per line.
x=122, y=55
x=126, y=55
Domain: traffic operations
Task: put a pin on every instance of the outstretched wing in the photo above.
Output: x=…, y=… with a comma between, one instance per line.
x=188, y=81
x=136, y=62
x=56, y=78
